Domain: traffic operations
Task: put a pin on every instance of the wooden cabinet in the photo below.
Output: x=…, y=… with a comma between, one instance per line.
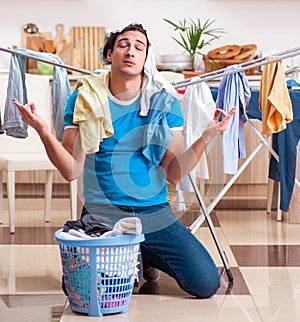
x=246, y=189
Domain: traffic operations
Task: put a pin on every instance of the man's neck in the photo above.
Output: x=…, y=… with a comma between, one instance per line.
x=124, y=88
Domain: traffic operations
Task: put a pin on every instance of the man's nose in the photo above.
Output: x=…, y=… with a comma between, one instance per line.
x=130, y=51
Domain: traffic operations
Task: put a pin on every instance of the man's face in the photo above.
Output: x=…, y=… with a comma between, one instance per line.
x=129, y=53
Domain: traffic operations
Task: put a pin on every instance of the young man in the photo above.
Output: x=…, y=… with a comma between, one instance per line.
x=127, y=141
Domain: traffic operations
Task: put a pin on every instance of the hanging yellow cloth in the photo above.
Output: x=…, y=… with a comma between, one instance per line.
x=92, y=112
x=274, y=101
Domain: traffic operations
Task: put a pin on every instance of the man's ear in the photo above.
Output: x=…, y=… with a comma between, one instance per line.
x=108, y=56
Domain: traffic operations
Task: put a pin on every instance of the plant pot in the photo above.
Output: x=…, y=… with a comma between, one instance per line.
x=189, y=74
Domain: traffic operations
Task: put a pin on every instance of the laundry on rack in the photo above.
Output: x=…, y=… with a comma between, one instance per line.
x=290, y=178
x=198, y=107
x=13, y=124
x=284, y=143
x=277, y=114
x=234, y=90
x=274, y=100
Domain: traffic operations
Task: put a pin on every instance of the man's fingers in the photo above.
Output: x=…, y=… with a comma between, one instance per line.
x=232, y=111
x=24, y=107
x=16, y=102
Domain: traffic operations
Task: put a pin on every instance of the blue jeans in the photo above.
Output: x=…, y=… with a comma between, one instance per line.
x=169, y=246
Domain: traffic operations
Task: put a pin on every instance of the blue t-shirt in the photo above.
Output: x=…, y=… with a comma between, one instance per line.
x=119, y=173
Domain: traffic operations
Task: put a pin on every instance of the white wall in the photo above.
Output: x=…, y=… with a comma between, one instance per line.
x=271, y=24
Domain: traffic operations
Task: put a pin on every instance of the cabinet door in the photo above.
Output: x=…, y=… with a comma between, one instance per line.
x=257, y=170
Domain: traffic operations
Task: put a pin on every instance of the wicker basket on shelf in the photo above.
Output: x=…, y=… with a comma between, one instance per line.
x=212, y=65
x=227, y=55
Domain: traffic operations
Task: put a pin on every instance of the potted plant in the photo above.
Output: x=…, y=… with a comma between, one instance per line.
x=194, y=35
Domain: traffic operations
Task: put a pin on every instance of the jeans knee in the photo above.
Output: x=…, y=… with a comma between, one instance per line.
x=202, y=287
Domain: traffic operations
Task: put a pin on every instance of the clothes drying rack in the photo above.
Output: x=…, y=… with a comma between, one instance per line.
x=263, y=141
x=206, y=210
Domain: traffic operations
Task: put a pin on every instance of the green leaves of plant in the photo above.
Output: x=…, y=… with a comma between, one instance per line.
x=193, y=35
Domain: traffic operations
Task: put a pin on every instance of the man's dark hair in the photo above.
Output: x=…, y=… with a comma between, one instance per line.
x=113, y=36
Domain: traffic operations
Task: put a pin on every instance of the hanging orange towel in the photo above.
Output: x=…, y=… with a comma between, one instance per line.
x=274, y=101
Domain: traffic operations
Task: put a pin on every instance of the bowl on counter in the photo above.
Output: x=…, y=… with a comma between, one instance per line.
x=175, y=62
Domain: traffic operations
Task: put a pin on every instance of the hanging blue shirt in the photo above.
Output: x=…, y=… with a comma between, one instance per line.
x=234, y=90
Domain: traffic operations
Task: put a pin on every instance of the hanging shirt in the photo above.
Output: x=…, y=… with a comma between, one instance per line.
x=198, y=107
x=234, y=91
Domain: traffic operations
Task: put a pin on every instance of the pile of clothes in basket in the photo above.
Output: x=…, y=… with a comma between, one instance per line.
x=90, y=226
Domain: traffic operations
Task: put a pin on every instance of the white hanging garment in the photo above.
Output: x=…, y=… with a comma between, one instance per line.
x=198, y=107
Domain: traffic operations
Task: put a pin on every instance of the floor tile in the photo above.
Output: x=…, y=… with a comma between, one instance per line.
x=28, y=236
x=263, y=257
x=178, y=309
x=275, y=292
x=257, y=228
x=31, y=308
x=30, y=269
x=216, y=248
x=267, y=255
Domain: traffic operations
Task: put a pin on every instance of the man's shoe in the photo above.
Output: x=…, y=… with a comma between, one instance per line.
x=151, y=274
x=149, y=288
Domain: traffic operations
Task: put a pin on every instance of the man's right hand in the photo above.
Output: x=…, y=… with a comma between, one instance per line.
x=30, y=116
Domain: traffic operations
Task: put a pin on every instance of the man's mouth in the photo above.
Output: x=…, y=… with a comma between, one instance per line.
x=128, y=62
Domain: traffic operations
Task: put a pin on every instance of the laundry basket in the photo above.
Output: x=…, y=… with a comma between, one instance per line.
x=99, y=273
